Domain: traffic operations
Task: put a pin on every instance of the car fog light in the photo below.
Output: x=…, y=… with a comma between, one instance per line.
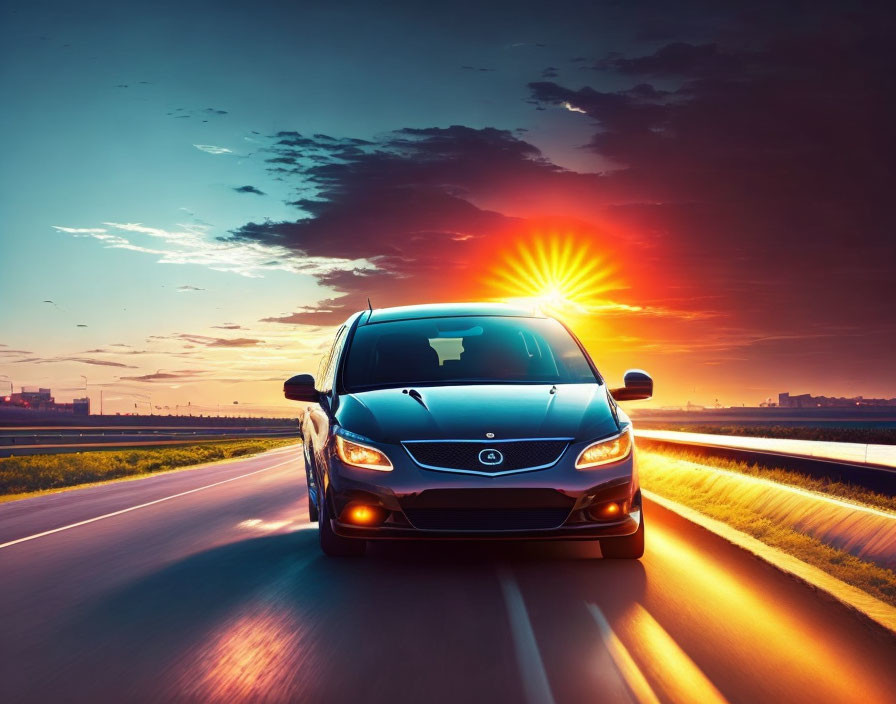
x=608, y=511
x=362, y=515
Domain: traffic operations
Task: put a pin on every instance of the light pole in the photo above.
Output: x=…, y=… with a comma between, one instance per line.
x=147, y=399
x=85, y=390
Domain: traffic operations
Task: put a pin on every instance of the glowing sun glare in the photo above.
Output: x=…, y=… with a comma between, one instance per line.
x=554, y=272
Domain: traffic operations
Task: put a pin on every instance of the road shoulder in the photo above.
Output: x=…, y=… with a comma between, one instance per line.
x=879, y=615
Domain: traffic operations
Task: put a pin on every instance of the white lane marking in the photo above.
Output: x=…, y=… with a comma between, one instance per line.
x=134, y=508
x=535, y=679
x=628, y=668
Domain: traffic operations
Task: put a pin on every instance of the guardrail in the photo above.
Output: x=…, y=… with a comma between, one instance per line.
x=55, y=440
x=17, y=435
x=871, y=466
x=851, y=452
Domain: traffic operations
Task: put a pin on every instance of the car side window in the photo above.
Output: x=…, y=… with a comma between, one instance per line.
x=325, y=382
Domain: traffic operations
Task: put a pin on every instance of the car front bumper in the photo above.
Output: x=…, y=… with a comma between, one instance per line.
x=546, y=504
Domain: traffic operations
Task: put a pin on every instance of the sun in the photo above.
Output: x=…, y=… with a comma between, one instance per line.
x=554, y=271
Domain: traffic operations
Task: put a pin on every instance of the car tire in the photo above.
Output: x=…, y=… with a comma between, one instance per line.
x=629, y=547
x=333, y=545
x=312, y=510
x=312, y=506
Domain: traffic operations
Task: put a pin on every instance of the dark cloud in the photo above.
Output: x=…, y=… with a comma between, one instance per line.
x=184, y=113
x=234, y=342
x=98, y=362
x=208, y=341
x=403, y=203
x=188, y=288
x=681, y=59
x=249, y=189
x=80, y=360
x=165, y=375
x=412, y=204
x=100, y=350
x=218, y=341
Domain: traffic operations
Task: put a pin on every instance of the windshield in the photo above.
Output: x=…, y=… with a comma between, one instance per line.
x=464, y=350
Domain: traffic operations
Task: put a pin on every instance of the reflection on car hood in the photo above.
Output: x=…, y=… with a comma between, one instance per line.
x=578, y=411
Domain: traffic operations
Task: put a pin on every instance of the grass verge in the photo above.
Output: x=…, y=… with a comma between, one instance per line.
x=838, y=490
x=36, y=473
x=870, y=436
x=660, y=476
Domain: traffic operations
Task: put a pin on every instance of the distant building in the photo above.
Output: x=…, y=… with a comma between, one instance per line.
x=42, y=401
x=785, y=400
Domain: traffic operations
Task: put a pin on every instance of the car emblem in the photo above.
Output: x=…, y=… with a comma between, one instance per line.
x=490, y=456
x=489, y=435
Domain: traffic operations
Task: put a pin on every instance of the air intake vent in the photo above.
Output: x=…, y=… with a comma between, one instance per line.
x=490, y=519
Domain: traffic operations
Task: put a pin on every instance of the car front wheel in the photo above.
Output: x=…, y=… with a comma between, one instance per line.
x=312, y=497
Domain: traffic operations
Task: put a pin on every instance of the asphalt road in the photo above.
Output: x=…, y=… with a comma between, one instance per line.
x=207, y=585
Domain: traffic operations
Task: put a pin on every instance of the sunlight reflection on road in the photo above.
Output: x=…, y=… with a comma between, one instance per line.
x=252, y=657
x=755, y=627
x=634, y=678
x=261, y=652
x=257, y=524
x=668, y=666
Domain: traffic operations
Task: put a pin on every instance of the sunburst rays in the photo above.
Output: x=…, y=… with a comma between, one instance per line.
x=554, y=271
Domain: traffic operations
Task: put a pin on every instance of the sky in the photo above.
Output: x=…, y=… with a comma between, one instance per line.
x=195, y=194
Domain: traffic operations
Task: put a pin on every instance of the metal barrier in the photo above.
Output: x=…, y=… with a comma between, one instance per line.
x=870, y=466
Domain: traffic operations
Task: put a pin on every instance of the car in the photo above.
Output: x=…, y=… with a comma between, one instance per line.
x=465, y=422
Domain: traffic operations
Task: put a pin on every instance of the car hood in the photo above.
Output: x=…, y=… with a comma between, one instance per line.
x=578, y=411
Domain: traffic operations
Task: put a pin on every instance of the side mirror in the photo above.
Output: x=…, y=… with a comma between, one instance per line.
x=638, y=386
x=300, y=388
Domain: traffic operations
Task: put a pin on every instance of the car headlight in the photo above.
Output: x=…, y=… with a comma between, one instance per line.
x=606, y=451
x=358, y=455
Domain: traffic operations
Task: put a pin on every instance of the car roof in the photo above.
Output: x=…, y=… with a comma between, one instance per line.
x=448, y=310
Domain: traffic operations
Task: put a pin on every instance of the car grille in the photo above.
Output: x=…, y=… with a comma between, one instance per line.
x=483, y=519
x=518, y=455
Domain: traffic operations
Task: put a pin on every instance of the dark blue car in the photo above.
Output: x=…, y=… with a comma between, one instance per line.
x=467, y=421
